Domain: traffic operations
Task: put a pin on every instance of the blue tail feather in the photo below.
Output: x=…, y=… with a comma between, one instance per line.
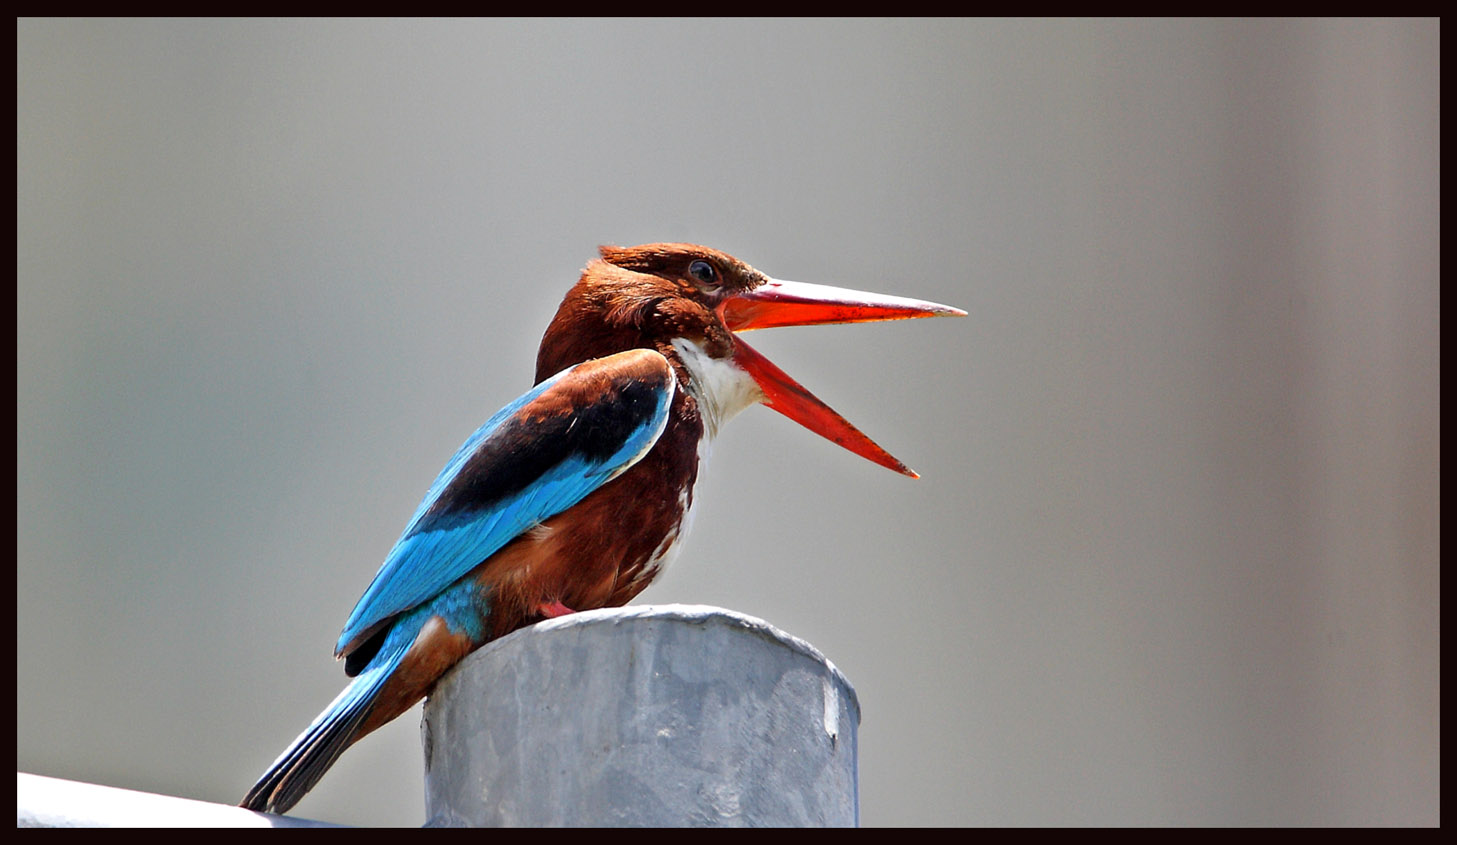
x=306, y=760
x=463, y=609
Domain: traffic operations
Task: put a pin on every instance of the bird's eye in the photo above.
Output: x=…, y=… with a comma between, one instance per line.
x=703, y=272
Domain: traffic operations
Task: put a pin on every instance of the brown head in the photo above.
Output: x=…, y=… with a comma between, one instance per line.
x=686, y=302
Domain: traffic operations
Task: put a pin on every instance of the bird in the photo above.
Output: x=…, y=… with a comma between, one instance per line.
x=576, y=495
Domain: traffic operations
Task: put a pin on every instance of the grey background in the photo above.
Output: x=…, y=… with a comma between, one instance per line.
x=1174, y=558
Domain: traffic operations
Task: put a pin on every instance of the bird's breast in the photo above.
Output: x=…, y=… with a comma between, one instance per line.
x=610, y=546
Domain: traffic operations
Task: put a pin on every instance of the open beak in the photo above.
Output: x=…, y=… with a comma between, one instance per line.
x=781, y=303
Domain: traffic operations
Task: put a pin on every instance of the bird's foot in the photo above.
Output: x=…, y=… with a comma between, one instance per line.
x=553, y=609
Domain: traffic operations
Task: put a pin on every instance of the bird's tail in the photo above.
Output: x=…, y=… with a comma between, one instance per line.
x=299, y=767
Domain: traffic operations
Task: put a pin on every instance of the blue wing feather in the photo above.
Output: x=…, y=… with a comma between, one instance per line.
x=533, y=459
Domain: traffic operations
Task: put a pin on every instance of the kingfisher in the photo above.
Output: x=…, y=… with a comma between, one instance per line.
x=578, y=494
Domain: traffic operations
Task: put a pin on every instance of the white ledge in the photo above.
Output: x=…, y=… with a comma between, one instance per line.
x=42, y=801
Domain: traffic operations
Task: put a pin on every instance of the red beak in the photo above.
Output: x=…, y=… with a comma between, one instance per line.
x=780, y=303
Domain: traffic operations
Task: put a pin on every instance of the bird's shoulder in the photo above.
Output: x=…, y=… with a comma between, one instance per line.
x=533, y=459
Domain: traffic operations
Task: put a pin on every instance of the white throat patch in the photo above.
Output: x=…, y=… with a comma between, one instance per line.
x=721, y=388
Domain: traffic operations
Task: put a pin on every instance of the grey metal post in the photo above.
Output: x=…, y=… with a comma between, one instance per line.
x=676, y=715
